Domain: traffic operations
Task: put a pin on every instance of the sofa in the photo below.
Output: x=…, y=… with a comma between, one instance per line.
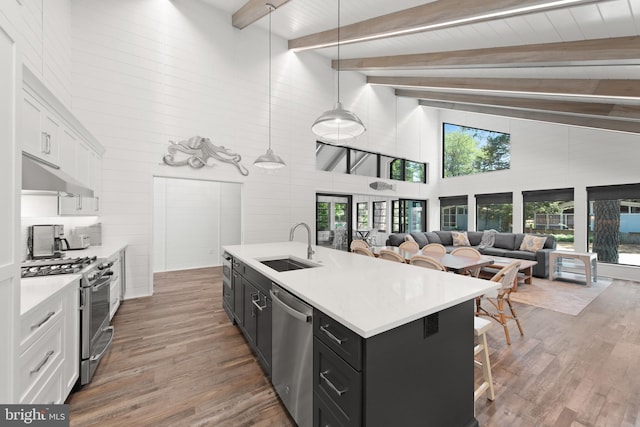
x=504, y=245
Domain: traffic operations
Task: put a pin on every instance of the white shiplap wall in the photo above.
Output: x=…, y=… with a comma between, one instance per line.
x=148, y=71
x=44, y=28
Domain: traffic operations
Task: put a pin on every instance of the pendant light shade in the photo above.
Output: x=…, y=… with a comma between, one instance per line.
x=269, y=160
x=338, y=126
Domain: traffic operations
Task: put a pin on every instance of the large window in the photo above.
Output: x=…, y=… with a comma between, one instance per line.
x=380, y=216
x=454, y=213
x=363, y=215
x=494, y=211
x=550, y=212
x=614, y=223
x=469, y=150
x=408, y=216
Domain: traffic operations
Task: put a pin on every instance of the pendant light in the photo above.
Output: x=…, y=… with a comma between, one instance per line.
x=269, y=160
x=338, y=126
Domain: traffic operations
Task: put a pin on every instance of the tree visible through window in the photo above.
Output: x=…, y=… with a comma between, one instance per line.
x=469, y=150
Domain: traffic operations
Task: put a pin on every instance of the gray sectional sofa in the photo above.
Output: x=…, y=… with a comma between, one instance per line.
x=504, y=245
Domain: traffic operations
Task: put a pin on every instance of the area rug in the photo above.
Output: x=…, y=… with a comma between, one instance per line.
x=559, y=295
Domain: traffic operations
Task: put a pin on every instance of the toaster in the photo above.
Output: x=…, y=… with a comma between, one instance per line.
x=78, y=241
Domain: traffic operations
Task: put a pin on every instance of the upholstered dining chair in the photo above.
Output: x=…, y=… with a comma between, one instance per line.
x=358, y=244
x=425, y=261
x=362, y=251
x=436, y=248
x=507, y=277
x=409, y=246
x=390, y=255
x=468, y=252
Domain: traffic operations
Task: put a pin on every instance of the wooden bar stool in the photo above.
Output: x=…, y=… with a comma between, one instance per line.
x=480, y=327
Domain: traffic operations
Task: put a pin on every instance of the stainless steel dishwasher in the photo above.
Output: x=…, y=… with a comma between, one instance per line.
x=292, y=347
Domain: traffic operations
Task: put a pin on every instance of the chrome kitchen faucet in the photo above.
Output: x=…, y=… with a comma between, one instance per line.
x=310, y=251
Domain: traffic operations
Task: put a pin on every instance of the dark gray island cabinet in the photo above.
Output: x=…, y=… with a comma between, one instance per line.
x=417, y=374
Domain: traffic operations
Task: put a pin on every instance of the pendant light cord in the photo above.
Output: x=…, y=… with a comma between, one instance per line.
x=338, y=50
x=271, y=8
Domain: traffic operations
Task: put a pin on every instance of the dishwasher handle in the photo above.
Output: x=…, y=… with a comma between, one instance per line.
x=289, y=310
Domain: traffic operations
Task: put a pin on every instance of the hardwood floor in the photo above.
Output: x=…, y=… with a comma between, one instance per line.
x=178, y=361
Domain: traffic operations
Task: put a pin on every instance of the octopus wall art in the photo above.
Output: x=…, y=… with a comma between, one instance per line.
x=199, y=150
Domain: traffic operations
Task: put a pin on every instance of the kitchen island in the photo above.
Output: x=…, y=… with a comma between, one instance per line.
x=397, y=347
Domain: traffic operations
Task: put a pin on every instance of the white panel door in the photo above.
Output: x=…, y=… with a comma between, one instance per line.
x=10, y=167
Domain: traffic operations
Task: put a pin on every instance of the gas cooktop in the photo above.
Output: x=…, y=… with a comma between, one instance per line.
x=51, y=266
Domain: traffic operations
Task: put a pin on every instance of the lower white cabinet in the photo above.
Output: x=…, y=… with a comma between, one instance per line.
x=117, y=282
x=49, y=348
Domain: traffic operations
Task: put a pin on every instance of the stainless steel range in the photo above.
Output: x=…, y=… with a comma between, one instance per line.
x=96, y=334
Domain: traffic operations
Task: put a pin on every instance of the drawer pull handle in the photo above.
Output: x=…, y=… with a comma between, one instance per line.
x=255, y=300
x=43, y=321
x=41, y=364
x=339, y=392
x=330, y=335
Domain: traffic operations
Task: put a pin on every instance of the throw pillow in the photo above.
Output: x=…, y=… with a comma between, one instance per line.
x=409, y=238
x=532, y=243
x=460, y=238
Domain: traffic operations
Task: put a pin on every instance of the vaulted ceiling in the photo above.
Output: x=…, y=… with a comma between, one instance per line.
x=575, y=62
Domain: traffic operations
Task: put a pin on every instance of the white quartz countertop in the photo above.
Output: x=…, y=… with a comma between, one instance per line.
x=368, y=295
x=34, y=290
x=103, y=251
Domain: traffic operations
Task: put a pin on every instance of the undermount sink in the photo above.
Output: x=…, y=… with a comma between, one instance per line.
x=287, y=264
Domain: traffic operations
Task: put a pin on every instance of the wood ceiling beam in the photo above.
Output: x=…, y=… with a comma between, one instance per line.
x=605, y=123
x=431, y=16
x=593, y=109
x=611, y=51
x=606, y=88
x=252, y=11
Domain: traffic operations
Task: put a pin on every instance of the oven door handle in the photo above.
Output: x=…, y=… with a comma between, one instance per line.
x=96, y=288
x=106, y=347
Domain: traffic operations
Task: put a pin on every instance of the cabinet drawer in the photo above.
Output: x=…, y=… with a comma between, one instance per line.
x=346, y=343
x=35, y=322
x=50, y=392
x=40, y=359
x=323, y=416
x=337, y=383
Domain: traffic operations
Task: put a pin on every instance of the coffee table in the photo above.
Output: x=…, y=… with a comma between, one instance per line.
x=525, y=272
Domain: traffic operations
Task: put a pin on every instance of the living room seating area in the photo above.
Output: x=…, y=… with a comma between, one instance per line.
x=533, y=247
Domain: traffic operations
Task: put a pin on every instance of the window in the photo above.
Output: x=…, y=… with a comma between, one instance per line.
x=550, y=212
x=363, y=215
x=363, y=163
x=614, y=223
x=332, y=158
x=406, y=170
x=380, y=216
x=408, y=216
x=322, y=216
x=454, y=213
x=468, y=151
x=494, y=211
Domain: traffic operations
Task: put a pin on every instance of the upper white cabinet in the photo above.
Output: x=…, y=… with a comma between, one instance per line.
x=40, y=131
x=54, y=135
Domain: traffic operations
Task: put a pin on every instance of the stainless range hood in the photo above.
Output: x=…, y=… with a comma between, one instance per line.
x=38, y=175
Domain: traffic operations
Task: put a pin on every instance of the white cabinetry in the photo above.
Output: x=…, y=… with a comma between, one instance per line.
x=49, y=348
x=118, y=282
x=52, y=133
x=40, y=130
